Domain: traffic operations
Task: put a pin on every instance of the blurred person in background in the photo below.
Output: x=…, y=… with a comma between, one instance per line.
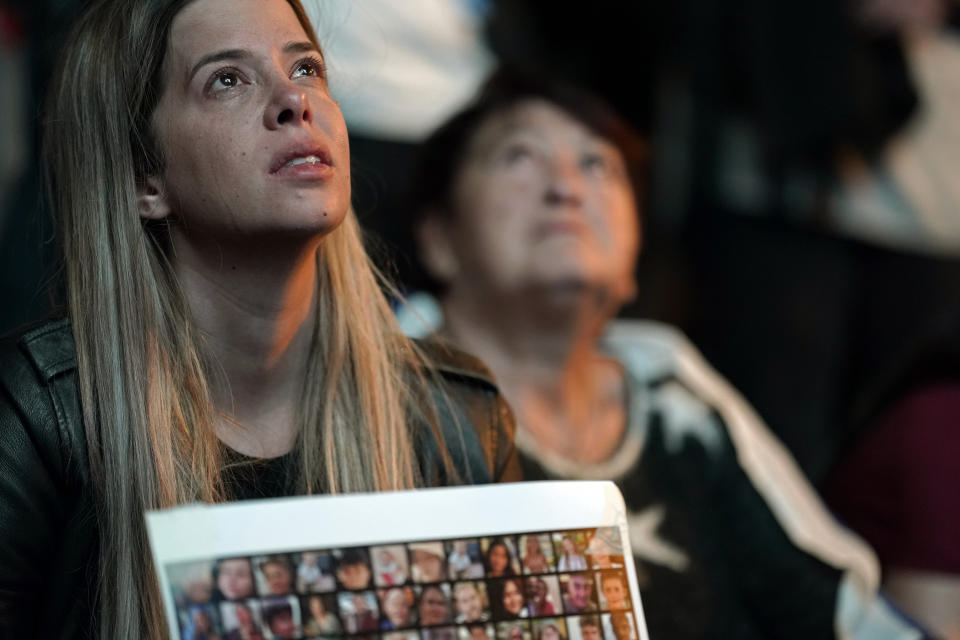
x=526, y=218
x=897, y=482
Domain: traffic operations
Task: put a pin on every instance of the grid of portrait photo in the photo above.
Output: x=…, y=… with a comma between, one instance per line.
x=557, y=585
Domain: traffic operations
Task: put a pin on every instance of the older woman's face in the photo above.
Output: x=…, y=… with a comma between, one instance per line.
x=253, y=142
x=541, y=203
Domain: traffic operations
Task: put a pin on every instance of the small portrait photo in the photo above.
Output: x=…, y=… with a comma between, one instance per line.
x=500, y=557
x=397, y=608
x=550, y=629
x=464, y=559
x=513, y=630
x=470, y=602
x=605, y=551
x=619, y=626
x=584, y=628
x=507, y=600
x=542, y=595
x=359, y=612
x=200, y=622
x=233, y=579
x=476, y=631
x=241, y=619
x=578, y=593
x=315, y=572
x=570, y=548
x=191, y=582
x=353, y=568
x=281, y=616
x=427, y=562
x=439, y=633
x=537, y=553
x=319, y=613
x=612, y=589
x=435, y=604
x=409, y=634
x=274, y=574
x=390, y=565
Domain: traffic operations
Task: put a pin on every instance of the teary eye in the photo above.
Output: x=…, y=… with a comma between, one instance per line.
x=309, y=67
x=224, y=79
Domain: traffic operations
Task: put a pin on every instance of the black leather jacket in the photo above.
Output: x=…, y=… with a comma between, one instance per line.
x=48, y=530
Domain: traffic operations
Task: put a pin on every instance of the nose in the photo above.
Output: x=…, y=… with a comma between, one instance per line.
x=565, y=185
x=289, y=106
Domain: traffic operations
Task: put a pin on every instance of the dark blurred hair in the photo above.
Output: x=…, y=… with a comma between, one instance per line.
x=353, y=556
x=442, y=155
x=499, y=542
x=497, y=589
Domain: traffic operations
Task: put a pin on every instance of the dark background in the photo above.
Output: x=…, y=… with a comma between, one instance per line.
x=804, y=322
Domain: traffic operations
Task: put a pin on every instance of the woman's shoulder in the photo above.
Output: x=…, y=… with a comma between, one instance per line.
x=474, y=400
x=39, y=399
x=457, y=366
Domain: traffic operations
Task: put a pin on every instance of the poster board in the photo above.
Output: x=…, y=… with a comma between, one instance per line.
x=526, y=561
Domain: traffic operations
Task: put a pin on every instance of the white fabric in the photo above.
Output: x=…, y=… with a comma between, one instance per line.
x=913, y=200
x=649, y=351
x=399, y=68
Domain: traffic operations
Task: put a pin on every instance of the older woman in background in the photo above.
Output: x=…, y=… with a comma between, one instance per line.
x=526, y=214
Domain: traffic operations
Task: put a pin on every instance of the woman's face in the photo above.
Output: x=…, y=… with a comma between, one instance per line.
x=614, y=592
x=498, y=559
x=468, y=603
x=252, y=140
x=235, y=579
x=512, y=597
x=433, y=607
x=540, y=203
x=568, y=547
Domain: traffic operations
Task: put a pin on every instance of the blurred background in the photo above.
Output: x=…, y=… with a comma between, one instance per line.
x=802, y=221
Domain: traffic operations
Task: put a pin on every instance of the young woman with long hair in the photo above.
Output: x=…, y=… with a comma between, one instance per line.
x=226, y=335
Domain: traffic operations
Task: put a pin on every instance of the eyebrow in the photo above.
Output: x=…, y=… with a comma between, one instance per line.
x=244, y=54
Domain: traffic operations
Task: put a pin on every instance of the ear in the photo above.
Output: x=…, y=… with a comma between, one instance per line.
x=152, y=201
x=437, y=252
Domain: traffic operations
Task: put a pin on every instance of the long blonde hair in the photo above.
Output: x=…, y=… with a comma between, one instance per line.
x=147, y=409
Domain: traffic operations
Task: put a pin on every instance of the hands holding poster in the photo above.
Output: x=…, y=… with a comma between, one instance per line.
x=531, y=561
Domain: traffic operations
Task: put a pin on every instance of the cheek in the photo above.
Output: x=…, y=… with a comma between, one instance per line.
x=622, y=222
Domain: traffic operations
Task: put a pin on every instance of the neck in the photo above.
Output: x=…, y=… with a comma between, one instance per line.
x=543, y=351
x=253, y=308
